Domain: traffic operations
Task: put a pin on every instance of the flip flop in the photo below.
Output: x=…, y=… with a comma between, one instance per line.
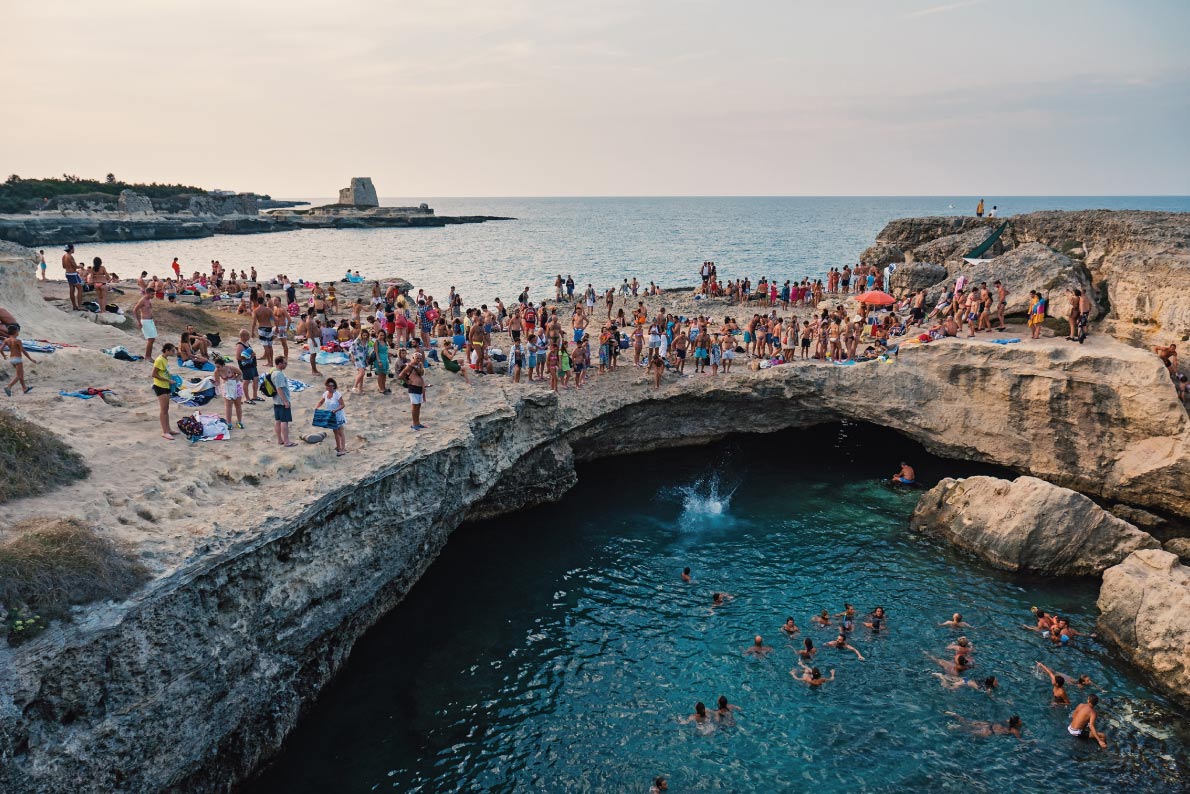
x=290, y=444
x=167, y=438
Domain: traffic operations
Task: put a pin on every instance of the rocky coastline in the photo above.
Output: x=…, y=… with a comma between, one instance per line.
x=193, y=683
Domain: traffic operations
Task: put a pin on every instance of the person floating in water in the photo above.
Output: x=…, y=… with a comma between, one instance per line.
x=808, y=650
x=790, y=627
x=1082, y=682
x=725, y=712
x=841, y=644
x=660, y=784
x=956, y=622
x=955, y=668
x=719, y=599
x=811, y=675
x=848, y=612
x=700, y=716
x=988, y=684
x=906, y=476
x=962, y=645
x=823, y=618
x=686, y=577
x=1082, y=721
x=980, y=728
x=758, y=648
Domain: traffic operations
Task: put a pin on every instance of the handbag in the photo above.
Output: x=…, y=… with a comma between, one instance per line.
x=324, y=418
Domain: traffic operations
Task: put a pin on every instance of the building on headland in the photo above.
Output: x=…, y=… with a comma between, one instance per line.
x=357, y=201
x=360, y=193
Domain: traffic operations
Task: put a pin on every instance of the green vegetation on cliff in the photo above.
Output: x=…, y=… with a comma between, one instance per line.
x=23, y=195
x=34, y=460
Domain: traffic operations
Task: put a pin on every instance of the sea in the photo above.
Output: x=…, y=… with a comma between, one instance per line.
x=559, y=650
x=598, y=241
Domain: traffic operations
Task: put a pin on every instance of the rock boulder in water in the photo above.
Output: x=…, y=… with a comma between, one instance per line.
x=1145, y=612
x=1028, y=525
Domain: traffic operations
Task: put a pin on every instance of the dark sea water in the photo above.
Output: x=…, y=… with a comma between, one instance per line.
x=597, y=240
x=556, y=650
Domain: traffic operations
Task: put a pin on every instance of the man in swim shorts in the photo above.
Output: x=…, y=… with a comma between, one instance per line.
x=143, y=313
x=1082, y=722
x=906, y=476
x=74, y=279
x=416, y=385
x=262, y=326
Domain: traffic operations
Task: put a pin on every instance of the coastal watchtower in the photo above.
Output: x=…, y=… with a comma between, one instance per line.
x=361, y=193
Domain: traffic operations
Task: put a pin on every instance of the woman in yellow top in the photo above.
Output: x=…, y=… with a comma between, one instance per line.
x=162, y=386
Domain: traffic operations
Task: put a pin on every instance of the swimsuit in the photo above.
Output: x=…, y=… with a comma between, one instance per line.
x=265, y=334
x=149, y=329
x=74, y=278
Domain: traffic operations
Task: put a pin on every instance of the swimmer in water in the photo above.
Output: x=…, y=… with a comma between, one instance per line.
x=686, y=577
x=808, y=650
x=988, y=684
x=981, y=728
x=811, y=675
x=822, y=619
x=719, y=599
x=956, y=668
x=1082, y=722
x=660, y=784
x=700, y=716
x=790, y=627
x=758, y=648
x=840, y=643
x=878, y=613
x=1044, y=622
x=848, y=612
x=725, y=711
x=956, y=622
x=906, y=476
x=875, y=624
x=1059, y=684
x=962, y=645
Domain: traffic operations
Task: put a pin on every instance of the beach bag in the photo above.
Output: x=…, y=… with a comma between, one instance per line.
x=190, y=427
x=215, y=339
x=324, y=418
x=266, y=386
x=432, y=315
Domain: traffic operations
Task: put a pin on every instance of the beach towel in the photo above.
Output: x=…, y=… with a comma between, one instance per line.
x=214, y=428
x=120, y=353
x=328, y=358
x=1005, y=341
x=295, y=385
x=39, y=347
x=207, y=367
x=848, y=363
x=83, y=394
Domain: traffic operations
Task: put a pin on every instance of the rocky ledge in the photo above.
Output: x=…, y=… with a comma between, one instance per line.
x=1144, y=606
x=1136, y=263
x=1028, y=525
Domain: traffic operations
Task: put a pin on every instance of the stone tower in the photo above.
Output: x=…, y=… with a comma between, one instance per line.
x=362, y=193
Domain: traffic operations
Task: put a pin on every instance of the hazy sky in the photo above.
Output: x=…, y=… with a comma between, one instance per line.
x=632, y=97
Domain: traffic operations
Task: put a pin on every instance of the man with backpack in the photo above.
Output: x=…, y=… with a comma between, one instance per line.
x=276, y=385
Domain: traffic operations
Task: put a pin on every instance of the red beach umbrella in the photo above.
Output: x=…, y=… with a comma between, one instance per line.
x=876, y=297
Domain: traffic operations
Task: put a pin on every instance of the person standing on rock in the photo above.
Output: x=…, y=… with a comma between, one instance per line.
x=262, y=326
x=162, y=386
x=1084, y=314
x=282, y=406
x=177, y=268
x=1001, y=304
x=979, y=209
x=1072, y=312
x=41, y=263
x=74, y=281
x=412, y=374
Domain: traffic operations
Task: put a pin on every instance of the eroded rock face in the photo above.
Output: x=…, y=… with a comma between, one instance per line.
x=1144, y=606
x=1028, y=525
x=881, y=254
x=913, y=276
x=133, y=203
x=1180, y=547
x=951, y=248
x=1031, y=266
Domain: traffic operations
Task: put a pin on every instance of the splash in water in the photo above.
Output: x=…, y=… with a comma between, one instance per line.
x=706, y=501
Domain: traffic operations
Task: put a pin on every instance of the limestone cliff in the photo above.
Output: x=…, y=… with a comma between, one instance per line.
x=1028, y=525
x=1145, y=613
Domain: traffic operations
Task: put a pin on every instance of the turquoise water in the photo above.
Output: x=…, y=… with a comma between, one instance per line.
x=598, y=240
x=557, y=649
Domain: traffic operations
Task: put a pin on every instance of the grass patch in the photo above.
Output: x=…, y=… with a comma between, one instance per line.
x=55, y=564
x=34, y=460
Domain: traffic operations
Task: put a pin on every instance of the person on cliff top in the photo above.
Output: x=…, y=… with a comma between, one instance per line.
x=74, y=281
x=162, y=385
x=413, y=376
x=16, y=355
x=979, y=209
x=142, y=312
x=1168, y=356
x=981, y=728
x=1082, y=721
x=282, y=404
x=41, y=263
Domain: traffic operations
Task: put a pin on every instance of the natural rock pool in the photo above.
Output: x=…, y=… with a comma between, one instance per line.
x=557, y=649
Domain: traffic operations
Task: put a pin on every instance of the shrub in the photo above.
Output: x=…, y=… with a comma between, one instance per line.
x=55, y=564
x=34, y=460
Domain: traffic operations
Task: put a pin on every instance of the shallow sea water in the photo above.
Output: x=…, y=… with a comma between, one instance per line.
x=556, y=649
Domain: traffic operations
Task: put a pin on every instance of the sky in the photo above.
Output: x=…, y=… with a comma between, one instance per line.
x=604, y=97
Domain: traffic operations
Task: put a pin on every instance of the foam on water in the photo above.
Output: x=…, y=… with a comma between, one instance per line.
x=705, y=502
